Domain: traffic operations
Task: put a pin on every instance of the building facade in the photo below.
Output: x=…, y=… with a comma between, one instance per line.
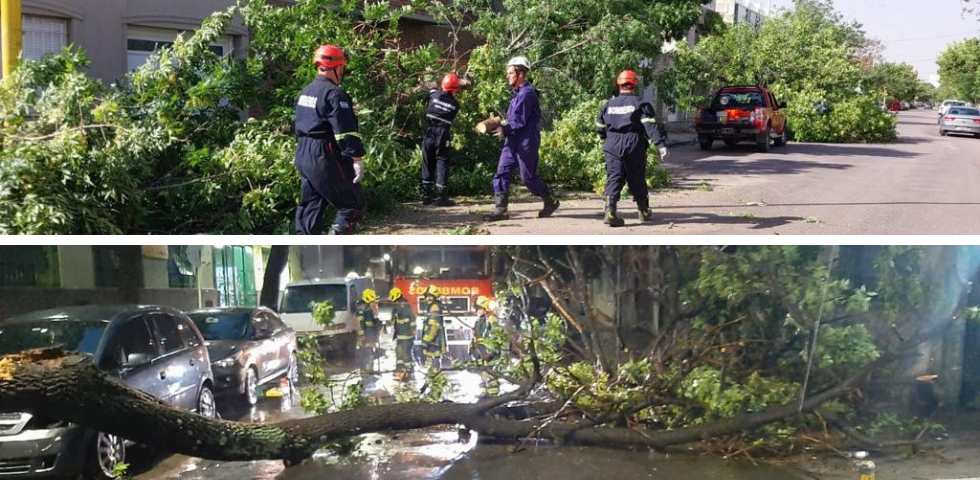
x=184, y=277
x=739, y=11
x=119, y=35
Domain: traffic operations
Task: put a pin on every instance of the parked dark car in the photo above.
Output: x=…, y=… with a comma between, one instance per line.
x=154, y=349
x=250, y=347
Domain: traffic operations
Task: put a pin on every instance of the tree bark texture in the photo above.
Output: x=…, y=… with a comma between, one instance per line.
x=71, y=388
x=278, y=258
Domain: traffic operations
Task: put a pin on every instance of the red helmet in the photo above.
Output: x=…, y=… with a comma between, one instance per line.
x=626, y=77
x=450, y=83
x=329, y=56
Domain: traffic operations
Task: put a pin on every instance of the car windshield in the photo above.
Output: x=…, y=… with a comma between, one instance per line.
x=955, y=104
x=297, y=298
x=223, y=326
x=70, y=335
x=739, y=99
x=964, y=111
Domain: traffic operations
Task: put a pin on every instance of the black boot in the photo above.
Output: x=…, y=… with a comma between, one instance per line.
x=550, y=205
x=427, y=198
x=500, y=201
x=610, y=217
x=643, y=204
x=443, y=200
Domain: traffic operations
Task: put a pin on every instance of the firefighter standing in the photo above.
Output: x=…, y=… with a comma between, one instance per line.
x=404, y=333
x=368, y=330
x=433, y=339
x=486, y=321
x=627, y=124
x=522, y=138
x=329, y=152
x=439, y=113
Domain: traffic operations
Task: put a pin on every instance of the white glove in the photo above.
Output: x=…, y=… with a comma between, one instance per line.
x=358, y=171
x=663, y=152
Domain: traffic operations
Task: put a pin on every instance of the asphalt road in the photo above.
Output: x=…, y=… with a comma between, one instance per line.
x=923, y=184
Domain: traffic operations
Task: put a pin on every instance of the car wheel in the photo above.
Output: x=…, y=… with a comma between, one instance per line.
x=783, y=138
x=731, y=142
x=110, y=451
x=942, y=133
x=205, y=403
x=251, y=386
x=705, y=141
x=765, y=141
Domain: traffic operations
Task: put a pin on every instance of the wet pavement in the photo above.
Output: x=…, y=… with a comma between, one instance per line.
x=444, y=452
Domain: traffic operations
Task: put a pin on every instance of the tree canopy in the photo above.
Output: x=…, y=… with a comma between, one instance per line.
x=959, y=69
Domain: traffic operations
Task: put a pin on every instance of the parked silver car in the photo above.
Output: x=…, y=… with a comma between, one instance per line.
x=250, y=347
x=154, y=349
x=960, y=120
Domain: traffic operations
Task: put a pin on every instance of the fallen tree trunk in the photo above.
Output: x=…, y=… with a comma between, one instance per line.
x=71, y=388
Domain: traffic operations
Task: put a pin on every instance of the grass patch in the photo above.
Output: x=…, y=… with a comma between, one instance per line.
x=467, y=230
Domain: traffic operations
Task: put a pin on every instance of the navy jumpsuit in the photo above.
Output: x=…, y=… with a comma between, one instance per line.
x=440, y=114
x=522, y=139
x=627, y=124
x=327, y=140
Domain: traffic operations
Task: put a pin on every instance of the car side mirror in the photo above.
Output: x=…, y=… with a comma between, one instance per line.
x=135, y=360
x=782, y=104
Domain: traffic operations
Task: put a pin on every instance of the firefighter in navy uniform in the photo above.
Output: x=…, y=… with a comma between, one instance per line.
x=329, y=152
x=439, y=113
x=485, y=323
x=368, y=330
x=433, y=339
x=404, y=333
x=628, y=125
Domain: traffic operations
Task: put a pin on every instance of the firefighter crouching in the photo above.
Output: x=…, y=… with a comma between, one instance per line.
x=368, y=330
x=404, y=333
x=627, y=124
x=486, y=321
x=433, y=338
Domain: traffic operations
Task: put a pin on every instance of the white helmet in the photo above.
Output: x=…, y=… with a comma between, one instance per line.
x=520, y=62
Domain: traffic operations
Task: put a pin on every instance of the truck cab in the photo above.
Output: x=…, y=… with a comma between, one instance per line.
x=295, y=309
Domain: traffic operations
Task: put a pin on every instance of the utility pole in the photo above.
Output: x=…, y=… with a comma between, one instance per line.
x=11, y=37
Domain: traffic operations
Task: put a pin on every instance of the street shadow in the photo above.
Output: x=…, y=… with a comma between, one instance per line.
x=913, y=140
x=764, y=166
x=826, y=204
x=662, y=218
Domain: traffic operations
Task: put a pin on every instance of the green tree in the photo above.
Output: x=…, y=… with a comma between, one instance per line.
x=892, y=81
x=807, y=55
x=959, y=69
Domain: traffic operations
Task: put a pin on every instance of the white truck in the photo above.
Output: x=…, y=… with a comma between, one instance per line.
x=341, y=334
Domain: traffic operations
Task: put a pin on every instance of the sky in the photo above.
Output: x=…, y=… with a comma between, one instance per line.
x=913, y=31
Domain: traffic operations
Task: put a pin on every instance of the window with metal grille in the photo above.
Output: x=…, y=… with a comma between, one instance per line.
x=44, y=36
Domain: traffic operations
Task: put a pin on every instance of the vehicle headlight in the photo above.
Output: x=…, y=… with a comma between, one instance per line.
x=227, y=362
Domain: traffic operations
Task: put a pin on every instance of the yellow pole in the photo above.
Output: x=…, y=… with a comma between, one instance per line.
x=11, y=37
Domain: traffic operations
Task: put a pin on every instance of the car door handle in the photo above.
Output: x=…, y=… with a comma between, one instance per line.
x=163, y=375
x=192, y=362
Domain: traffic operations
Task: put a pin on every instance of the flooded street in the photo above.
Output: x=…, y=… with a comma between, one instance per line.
x=445, y=452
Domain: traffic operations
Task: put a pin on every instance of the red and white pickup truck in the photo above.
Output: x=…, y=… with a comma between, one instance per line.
x=740, y=113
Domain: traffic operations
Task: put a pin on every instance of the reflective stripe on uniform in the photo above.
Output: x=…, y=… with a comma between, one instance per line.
x=405, y=337
x=443, y=120
x=348, y=134
x=600, y=125
x=648, y=120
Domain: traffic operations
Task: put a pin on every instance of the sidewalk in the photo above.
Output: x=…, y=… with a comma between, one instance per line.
x=681, y=133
